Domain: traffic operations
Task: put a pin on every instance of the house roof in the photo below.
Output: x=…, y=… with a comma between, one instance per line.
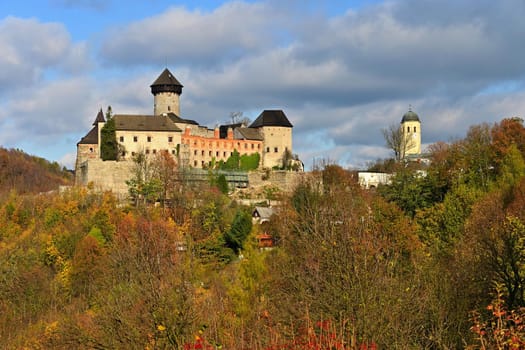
x=248, y=134
x=91, y=137
x=176, y=119
x=166, y=82
x=223, y=129
x=144, y=123
x=271, y=118
x=263, y=212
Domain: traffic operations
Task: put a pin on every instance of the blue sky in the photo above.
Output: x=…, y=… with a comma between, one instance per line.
x=341, y=70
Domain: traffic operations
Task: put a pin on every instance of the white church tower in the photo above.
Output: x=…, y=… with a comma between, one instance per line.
x=411, y=127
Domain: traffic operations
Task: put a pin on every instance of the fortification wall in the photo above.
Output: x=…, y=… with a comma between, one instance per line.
x=106, y=175
x=284, y=180
x=112, y=176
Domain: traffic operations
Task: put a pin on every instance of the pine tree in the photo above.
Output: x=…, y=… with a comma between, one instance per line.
x=108, y=136
x=240, y=229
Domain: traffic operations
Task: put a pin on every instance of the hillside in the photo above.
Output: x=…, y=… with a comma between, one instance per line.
x=434, y=261
x=25, y=173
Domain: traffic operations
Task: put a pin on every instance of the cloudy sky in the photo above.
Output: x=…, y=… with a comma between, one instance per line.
x=341, y=70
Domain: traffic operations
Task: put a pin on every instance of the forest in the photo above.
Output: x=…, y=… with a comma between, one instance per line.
x=434, y=260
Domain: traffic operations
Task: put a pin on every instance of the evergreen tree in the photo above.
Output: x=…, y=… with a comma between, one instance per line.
x=240, y=229
x=108, y=135
x=222, y=184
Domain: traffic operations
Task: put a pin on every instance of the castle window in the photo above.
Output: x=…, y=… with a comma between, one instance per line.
x=121, y=139
x=253, y=146
x=154, y=151
x=267, y=149
x=414, y=128
x=149, y=138
x=195, y=152
x=259, y=146
x=173, y=151
x=217, y=154
x=275, y=149
x=202, y=153
x=169, y=108
x=195, y=163
x=408, y=128
x=202, y=163
x=123, y=153
x=170, y=138
x=245, y=145
x=147, y=151
x=91, y=149
x=224, y=154
x=133, y=154
x=135, y=138
x=209, y=153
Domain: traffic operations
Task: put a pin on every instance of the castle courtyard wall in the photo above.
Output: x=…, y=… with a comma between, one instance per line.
x=106, y=175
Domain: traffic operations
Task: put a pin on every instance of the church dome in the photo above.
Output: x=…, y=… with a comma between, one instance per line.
x=410, y=116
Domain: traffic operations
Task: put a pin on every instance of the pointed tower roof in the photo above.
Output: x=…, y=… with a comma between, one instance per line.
x=166, y=82
x=91, y=137
x=100, y=118
x=271, y=118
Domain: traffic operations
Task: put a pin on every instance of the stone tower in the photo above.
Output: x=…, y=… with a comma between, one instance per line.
x=276, y=131
x=166, y=91
x=411, y=126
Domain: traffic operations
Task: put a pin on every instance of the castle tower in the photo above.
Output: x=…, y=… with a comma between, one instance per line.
x=411, y=127
x=166, y=91
x=276, y=131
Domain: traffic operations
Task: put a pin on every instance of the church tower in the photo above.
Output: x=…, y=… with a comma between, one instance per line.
x=166, y=91
x=411, y=128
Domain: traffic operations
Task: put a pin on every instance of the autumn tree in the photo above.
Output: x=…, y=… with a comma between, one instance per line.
x=143, y=186
x=508, y=132
x=165, y=170
x=346, y=257
x=397, y=141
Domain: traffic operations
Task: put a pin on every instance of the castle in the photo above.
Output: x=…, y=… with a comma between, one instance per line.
x=192, y=145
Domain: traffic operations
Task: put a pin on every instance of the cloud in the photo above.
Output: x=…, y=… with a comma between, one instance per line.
x=340, y=78
x=30, y=49
x=53, y=109
x=196, y=37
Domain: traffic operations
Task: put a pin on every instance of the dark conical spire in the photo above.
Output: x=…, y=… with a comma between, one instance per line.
x=166, y=82
x=100, y=118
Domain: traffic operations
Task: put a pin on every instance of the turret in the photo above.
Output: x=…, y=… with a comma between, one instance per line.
x=411, y=126
x=166, y=91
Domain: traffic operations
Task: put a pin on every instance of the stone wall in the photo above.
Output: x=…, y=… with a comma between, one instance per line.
x=112, y=175
x=106, y=175
x=284, y=180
